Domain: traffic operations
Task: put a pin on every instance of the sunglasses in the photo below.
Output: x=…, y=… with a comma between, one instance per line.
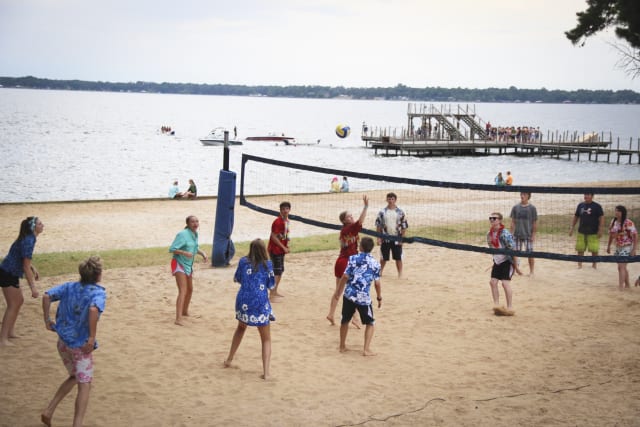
x=493, y=218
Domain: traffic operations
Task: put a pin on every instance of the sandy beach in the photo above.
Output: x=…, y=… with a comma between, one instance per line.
x=569, y=356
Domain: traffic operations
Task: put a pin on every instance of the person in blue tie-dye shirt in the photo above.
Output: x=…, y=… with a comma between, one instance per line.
x=362, y=269
x=81, y=304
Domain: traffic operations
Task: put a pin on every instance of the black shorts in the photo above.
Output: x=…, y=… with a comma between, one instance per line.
x=390, y=246
x=349, y=308
x=8, y=279
x=502, y=271
x=278, y=263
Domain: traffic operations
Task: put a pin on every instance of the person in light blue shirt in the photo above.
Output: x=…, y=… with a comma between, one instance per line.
x=344, y=188
x=362, y=269
x=174, y=191
x=184, y=249
x=81, y=304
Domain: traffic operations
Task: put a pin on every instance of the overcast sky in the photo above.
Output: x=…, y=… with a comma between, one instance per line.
x=351, y=43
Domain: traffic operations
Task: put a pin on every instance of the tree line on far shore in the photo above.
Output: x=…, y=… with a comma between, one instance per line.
x=399, y=92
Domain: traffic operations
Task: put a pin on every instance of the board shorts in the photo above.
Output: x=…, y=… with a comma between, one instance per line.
x=176, y=267
x=8, y=280
x=587, y=242
x=527, y=243
x=503, y=271
x=390, y=246
x=623, y=250
x=78, y=363
x=278, y=264
x=349, y=308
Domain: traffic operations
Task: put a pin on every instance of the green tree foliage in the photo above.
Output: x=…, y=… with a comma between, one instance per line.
x=624, y=16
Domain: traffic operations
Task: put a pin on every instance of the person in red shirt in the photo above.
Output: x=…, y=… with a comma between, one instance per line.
x=279, y=244
x=348, y=246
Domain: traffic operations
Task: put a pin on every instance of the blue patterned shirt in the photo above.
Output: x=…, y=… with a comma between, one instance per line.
x=362, y=269
x=19, y=250
x=72, y=317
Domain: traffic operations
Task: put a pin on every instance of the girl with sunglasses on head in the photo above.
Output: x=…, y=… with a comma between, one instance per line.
x=503, y=265
x=16, y=264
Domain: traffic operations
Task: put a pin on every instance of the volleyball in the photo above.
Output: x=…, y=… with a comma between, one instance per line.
x=343, y=131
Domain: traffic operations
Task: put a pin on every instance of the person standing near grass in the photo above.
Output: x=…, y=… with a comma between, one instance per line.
x=591, y=217
x=524, y=225
x=623, y=231
x=16, y=264
x=184, y=249
x=391, y=220
x=503, y=265
x=81, y=304
x=279, y=244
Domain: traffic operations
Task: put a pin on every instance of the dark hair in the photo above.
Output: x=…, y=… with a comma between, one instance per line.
x=285, y=205
x=623, y=217
x=187, y=220
x=27, y=227
x=342, y=216
x=366, y=243
x=392, y=195
x=257, y=253
x=90, y=270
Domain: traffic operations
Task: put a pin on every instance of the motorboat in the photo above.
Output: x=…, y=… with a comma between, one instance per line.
x=216, y=138
x=287, y=140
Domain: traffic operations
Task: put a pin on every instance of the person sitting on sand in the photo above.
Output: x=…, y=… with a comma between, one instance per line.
x=362, y=269
x=174, y=191
x=503, y=265
x=192, y=192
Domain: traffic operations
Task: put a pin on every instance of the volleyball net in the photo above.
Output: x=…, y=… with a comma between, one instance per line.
x=446, y=214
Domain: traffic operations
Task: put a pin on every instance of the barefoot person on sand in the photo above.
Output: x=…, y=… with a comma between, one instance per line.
x=362, y=269
x=253, y=308
x=14, y=265
x=279, y=244
x=348, y=246
x=503, y=265
x=184, y=249
x=81, y=304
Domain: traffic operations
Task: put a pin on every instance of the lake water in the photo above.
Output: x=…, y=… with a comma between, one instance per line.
x=68, y=145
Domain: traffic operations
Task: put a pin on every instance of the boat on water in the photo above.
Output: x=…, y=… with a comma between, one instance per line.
x=273, y=137
x=216, y=138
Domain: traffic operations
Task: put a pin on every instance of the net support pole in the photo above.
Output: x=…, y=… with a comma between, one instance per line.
x=223, y=248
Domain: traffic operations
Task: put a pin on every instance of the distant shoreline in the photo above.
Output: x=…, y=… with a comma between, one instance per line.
x=397, y=93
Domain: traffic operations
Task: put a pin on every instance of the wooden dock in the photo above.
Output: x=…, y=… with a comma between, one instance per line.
x=459, y=132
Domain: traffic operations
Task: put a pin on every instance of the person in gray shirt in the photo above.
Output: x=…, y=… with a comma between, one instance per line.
x=524, y=224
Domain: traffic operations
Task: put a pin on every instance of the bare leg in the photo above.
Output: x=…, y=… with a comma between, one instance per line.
x=368, y=335
x=344, y=330
x=63, y=390
x=382, y=263
x=333, y=305
x=623, y=276
x=580, y=263
x=531, y=265
x=399, y=267
x=265, y=337
x=14, y=299
x=274, y=291
x=508, y=293
x=187, y=296
x=235, y=343
x=181, y=282
x=495, y=294
x=595, y=264
x=82, y=401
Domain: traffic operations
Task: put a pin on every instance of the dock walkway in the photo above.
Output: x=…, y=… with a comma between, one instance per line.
x=459, y=132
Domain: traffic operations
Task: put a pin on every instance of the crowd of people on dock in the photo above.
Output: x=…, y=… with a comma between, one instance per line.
x=519, y=134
